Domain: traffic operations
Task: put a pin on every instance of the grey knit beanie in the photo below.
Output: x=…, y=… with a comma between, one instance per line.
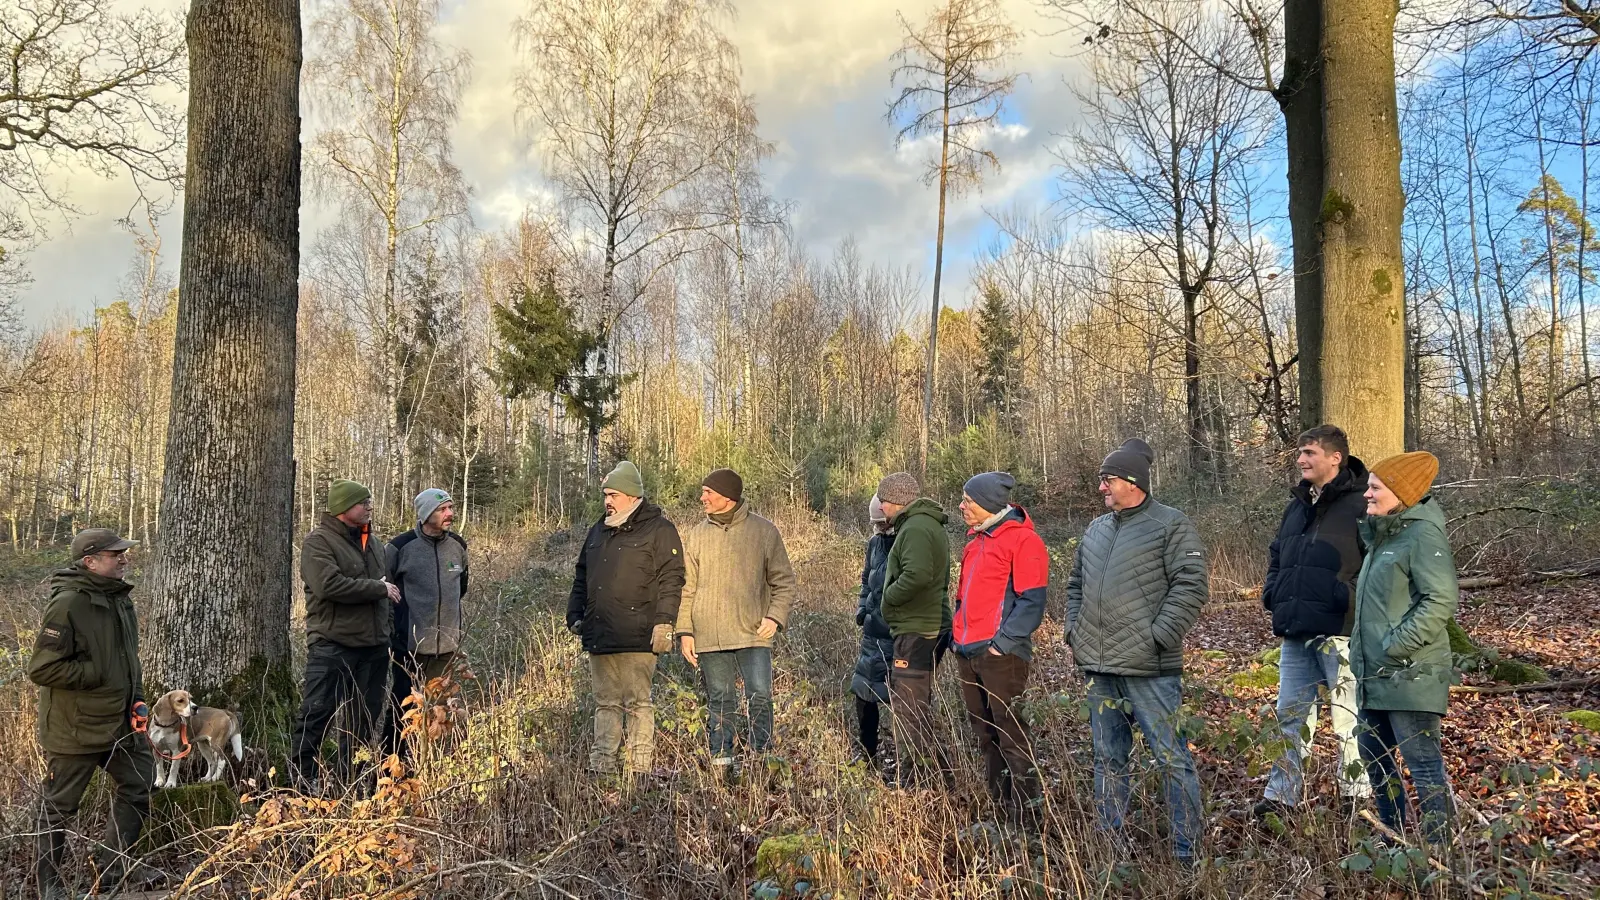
x=428, y=501
x=990, y=490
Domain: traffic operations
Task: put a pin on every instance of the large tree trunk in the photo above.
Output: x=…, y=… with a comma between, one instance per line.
x=1299, y=96
x=221, y=577
x=1363, y=316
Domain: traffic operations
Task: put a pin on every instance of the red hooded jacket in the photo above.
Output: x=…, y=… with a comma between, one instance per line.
x=1000, y=599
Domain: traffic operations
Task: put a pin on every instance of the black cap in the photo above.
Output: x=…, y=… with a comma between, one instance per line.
x=727, y=483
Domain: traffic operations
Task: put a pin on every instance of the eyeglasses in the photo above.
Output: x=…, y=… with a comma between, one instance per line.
x=1105, y=480
x=367, y=503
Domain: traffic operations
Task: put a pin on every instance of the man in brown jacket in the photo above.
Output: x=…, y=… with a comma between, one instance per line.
x=736, y=596
x=349, y=614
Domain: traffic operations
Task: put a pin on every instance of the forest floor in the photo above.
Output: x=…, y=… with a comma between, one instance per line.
x=507, y=811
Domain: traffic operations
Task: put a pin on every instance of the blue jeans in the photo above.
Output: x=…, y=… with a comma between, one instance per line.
x=1306, y=670
x=1116, y=704
x=1416, y=736
x=722, y=670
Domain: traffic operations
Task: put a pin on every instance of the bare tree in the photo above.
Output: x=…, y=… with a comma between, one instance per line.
x=1163, y=155
x=628, y=98
x=222, y=605
x=953, y=85
x=388, y=91
x=82, y=82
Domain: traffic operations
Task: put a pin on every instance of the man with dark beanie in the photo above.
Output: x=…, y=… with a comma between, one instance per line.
x=1310, y=583
x=1005, y=571
x=916, y=607
x=349, y=614
x=737, y=590
x=1138, y=583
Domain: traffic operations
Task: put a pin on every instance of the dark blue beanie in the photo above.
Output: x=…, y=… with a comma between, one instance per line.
x=991, y=490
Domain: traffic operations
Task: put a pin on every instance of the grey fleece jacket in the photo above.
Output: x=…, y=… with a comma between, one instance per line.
x=1137, y=586
x=737, y=574
x=432, y=575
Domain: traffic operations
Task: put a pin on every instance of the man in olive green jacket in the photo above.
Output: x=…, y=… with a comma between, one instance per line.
x=916, y=607
x=86, y=664
x=349, y=614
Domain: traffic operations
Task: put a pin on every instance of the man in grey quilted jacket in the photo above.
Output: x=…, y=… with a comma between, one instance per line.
x=1137, y=586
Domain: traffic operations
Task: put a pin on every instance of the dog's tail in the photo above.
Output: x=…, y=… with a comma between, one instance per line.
x=237, y=743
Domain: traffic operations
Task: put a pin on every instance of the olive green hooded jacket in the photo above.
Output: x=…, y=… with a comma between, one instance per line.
x=86, y=663
x=916, y=586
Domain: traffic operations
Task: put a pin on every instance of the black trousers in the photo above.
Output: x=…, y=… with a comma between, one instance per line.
x=131, y=768
x=338, y=676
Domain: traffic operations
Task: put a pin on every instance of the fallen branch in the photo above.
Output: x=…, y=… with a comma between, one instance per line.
x=1567, y=684
x=1589, y=569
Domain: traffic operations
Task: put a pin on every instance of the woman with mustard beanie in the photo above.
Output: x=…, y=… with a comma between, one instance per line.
x=1399, y=649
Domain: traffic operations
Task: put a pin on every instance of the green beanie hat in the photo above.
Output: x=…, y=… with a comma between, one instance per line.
x=624, y=479
x=344, y=494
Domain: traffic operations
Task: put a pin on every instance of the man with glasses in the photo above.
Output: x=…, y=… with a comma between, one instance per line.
x=1137, y=586
x=86, y=664
x=349, y=616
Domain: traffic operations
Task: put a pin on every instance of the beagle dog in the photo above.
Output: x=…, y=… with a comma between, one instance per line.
x=177, y=725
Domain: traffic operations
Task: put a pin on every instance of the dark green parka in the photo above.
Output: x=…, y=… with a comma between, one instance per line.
x=916, y=584
x=1405, y=597
x=346, y=600
x=86, y=663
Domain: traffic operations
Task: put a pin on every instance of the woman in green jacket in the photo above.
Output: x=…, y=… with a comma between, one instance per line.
x=1399, y=651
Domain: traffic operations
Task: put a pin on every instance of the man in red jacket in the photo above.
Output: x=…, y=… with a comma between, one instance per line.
x=1005, y=571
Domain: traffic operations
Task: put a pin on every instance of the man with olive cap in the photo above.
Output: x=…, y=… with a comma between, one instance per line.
x=737, y=592
x=91, y=694
x=349, y=617
x=1137, y=585
x=429, y=566
x=1000, y=599
x=624, y=599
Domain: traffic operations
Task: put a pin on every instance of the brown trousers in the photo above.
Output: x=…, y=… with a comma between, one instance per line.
x=911, y=700
x=990, y=686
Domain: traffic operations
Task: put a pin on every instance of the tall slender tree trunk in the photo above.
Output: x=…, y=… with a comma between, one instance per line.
x=1300, y=98
x=1363, y=336
x=929, y=384
x=220, y=580
x=1583, y=273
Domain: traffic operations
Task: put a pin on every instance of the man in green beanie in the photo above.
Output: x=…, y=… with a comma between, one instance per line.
x=624, y=601
x=348, y=620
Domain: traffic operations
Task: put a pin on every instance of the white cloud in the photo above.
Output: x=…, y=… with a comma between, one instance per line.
x=819, y=72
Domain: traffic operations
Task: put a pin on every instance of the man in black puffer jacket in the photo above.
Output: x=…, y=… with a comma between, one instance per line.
x=870, y=683
x=1311, y=577
x=625, y=597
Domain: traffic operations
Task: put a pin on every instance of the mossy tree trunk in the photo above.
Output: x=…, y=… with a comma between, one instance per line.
x=1363, y=305
x=221, y=575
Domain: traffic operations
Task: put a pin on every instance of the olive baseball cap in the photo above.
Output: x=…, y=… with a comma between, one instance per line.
x=99, y=540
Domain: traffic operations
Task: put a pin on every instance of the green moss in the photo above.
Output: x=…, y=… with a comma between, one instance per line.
x=1335, y=208
x=787, y=857
x=1255, y=677
x=1515, y=671
x=1381, y=282
x=1460, y=643
x=1272, y=656
x=1584, y=718
x=179, y=814
x=1214, y=654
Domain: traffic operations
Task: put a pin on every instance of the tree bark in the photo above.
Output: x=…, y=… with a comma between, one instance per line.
x=1299, y=96
x=1363, y=335
x=221, y=576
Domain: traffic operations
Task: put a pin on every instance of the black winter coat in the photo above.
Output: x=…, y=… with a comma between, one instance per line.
x=1313, y=563
x=870, y=681
x=629, y=580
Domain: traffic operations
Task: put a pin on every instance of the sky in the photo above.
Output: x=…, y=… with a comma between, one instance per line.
x=819, y=72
